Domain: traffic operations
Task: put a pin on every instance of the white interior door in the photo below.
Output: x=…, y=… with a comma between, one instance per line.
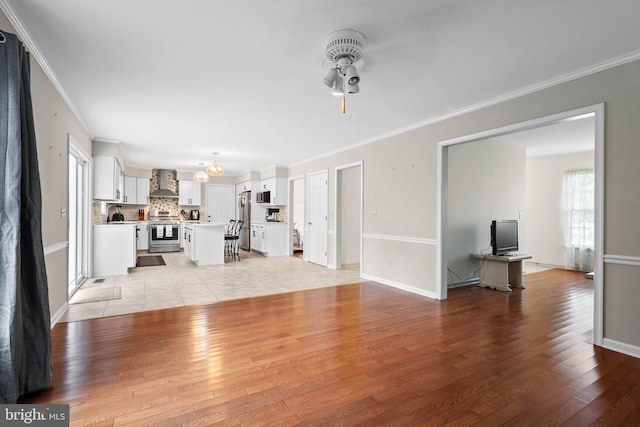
x=221, y=206
x=316, y=244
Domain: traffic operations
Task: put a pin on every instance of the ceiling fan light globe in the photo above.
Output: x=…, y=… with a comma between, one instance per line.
x=338, y=87
x=351, y=75
x=330, y=78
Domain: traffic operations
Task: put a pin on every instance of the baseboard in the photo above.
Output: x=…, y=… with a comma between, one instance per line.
x=58, y=314
x=620, y=347
x=401, y=286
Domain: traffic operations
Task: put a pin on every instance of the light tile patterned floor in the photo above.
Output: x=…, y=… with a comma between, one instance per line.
x=180, y=282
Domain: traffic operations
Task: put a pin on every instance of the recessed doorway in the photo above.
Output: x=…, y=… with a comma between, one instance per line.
x=597, y=111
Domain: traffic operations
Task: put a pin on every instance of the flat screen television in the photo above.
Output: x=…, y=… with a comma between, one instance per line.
x=504, y=236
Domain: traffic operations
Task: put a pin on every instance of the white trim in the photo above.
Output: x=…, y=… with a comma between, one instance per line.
x=620, y=347
x=55, y=318
x=598, y=111
x=78, y=151
x=24, y=35
x=633, y=261
x=332, y=266
x=48, y=250
x=400, y=286
x=331, y=232
x=404, y=239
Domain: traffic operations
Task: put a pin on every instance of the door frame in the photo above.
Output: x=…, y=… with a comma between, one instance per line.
x=76, y=150
x=598, y=111
x=337, y=193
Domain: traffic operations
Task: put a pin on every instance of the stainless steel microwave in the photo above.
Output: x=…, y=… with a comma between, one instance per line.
x=264, y=197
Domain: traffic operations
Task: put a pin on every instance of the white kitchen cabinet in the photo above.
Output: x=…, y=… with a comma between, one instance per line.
x=189, y=193
x=142, y=236
x=130, y=190
x=204, y=243
x=243, y=186
x=136, y=191
x=114, y=248
x=121, y=186
x=277, y=187
x=142, y=191
x=270, y=238
x=183, y=235
x=189, y=240
x=107, y=175
x=258, y=237
x=276, y=238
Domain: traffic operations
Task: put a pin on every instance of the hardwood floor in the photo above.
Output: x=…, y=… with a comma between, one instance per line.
x=360, y=354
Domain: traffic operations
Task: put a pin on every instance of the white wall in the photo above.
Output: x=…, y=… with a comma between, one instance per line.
x=544, y=205
x=350, y=213
x=486, y=182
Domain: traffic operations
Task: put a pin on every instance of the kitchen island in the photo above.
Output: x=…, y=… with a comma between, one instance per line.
x=204, y=243
x=114, y=248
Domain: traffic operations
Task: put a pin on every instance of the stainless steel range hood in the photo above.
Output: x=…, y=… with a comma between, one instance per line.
x=167, y=177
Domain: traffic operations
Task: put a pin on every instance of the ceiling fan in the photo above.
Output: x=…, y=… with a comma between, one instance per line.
x=344, y=49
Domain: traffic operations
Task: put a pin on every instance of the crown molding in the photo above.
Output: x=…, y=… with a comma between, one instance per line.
x=33, y=49
x=593, y=69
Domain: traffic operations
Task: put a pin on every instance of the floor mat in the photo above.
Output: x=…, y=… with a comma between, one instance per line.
x=150, y=261
x=95, y=294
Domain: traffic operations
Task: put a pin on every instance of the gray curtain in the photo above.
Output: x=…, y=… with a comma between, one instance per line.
x=25, y=330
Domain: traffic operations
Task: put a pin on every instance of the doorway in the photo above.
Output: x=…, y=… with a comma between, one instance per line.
x=78, y=215
x=443, y=151
x=296, y=216
x=348, y=202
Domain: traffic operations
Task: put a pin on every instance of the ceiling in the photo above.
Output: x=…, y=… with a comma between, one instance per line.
x=174, y=82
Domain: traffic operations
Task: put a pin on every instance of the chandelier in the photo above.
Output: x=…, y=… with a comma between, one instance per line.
x=215, y=168
x=201, y=176
x=344, y=48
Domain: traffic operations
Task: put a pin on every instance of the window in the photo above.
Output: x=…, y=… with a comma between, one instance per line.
x=579, y=221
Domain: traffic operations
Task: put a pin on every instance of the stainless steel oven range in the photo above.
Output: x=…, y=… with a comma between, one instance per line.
x=164, y=232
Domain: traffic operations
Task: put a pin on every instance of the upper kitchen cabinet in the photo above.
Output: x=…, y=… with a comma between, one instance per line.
x=244, y=186
x=136, y=191
x=277, y=188
x=107, y=176
x=142, y=191
x=189, y=193
x=130, y=190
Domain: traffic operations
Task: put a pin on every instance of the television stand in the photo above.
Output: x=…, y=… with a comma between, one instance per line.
x=502, y=272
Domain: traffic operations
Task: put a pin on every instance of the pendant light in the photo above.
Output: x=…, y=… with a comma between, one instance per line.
x=215, y=168
x=201, y=176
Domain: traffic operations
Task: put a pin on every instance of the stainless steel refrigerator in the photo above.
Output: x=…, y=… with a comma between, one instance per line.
x=244, y=214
